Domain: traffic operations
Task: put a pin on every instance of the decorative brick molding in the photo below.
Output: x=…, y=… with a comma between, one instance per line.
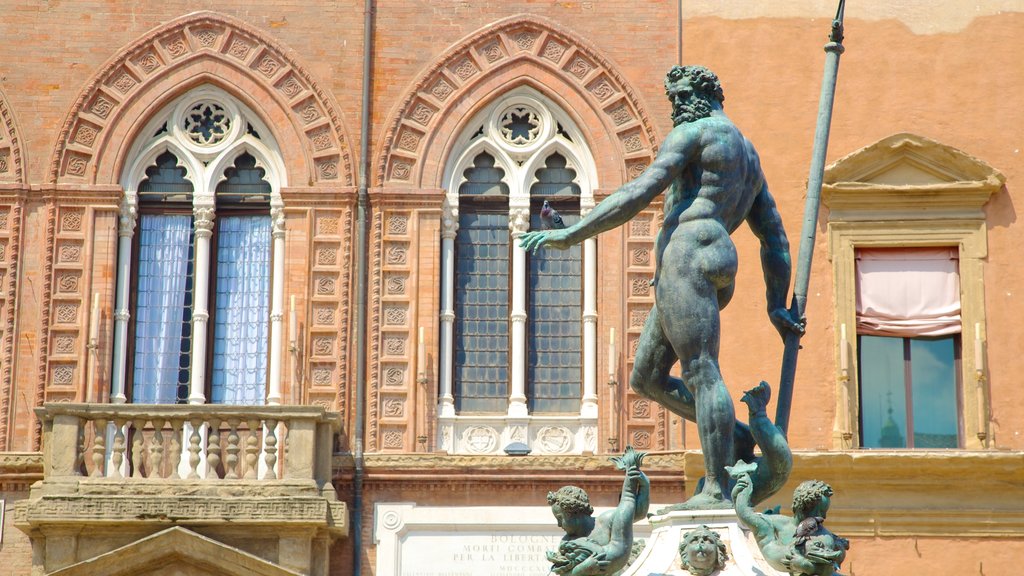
x=12, y=159
x=203, y=43
x=522, y=48
x=11, y=236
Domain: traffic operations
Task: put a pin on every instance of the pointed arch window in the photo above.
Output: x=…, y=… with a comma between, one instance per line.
x=516, y=328
x=554, y=297
x=197, y=309
x=481, y=355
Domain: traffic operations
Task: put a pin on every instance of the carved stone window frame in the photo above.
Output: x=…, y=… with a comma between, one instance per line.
x=557, y=132
x=909, y=191
x=205, y=167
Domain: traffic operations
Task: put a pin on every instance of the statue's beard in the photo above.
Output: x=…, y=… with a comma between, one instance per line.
x=691, y=110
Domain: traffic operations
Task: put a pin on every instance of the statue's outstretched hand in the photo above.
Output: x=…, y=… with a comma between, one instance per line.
x=531, y=241
x=786, y=321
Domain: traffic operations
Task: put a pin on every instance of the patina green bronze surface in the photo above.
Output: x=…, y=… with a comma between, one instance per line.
x=599, y=545
x=712, y=179
x=772, y=467
x=798, y=544
x=702, y=552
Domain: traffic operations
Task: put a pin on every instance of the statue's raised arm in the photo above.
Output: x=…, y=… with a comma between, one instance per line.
x=626, y=202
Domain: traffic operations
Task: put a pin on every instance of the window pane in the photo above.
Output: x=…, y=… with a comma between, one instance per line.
x=242, y=310
x=933, y=379
x=553, y=326
x=484, y=178
x=555, y=179
x=165, y=182
x=163, y=310
x=244, y=183
x=481, y=312
x=883, y=405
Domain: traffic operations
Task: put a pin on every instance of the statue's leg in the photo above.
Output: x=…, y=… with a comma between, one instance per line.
x=699, y=262
x=650, y=378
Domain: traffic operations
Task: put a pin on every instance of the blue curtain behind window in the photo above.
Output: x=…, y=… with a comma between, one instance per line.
x=242, y=310
x=164, y=308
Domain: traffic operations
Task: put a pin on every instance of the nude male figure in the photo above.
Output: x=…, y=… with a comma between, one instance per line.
x=713, y=182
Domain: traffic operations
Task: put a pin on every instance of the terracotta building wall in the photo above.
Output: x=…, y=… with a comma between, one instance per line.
x=952, y=75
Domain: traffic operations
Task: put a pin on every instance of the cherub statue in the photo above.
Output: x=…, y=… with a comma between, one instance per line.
x=799, y=545
x=601, y=545
x=702, y=552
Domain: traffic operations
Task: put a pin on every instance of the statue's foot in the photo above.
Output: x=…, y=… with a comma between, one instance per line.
x=757, y=398
x=699, y=501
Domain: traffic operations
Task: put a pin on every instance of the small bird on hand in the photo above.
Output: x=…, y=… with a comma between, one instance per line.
x=549, y=218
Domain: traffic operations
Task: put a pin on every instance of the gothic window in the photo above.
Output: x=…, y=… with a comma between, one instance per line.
x=514, y=323
x=196, y=258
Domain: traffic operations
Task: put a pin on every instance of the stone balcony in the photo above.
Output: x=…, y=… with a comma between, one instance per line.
x=147, y=486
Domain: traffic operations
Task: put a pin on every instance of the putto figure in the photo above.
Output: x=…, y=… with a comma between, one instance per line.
x=713, y=182
x=798, y=544
x=702, y=552
x=601, y=545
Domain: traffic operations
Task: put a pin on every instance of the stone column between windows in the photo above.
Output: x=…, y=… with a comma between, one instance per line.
x=449, y=227
x=276, y=302
x=204, y=214
x=588, y=408
x=125, y=233
x=518, y=224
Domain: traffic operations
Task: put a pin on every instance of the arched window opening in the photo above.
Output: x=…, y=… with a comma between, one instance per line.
x=481, y=294
x=196, y=263
x=164, y=284
x=515, y=326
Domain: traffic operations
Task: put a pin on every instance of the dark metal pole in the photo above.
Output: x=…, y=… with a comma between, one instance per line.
x=362, y=267
x=810, y=227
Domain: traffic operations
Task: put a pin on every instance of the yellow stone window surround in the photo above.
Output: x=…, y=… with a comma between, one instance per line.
x=910, y=191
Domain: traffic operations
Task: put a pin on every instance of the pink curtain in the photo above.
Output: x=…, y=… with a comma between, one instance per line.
x=908, y=291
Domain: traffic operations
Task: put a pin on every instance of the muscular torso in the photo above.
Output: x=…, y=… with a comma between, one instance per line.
x=713, y=194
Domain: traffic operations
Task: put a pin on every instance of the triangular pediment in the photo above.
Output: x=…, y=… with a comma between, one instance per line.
x=906, y=173
x=172, y=552
x=907, y=160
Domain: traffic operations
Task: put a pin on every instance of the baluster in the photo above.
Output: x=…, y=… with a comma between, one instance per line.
x=80, y=455
x=194, y=440
x=138, y=453
x=176, y=436
x=117, y=454
x=231, y=461
x=156, y=450
x=271, y=448
x=252, y=449
x=99, y=446
x=213, y=450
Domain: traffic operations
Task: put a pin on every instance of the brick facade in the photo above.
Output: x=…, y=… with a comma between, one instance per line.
x=80, y=80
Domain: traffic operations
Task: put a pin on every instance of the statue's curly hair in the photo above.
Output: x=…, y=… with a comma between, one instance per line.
x=704, y=81
x=702, y=532
x=572, y=500
x=808, y=494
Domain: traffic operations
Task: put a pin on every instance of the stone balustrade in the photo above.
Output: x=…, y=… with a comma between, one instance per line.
x=188, y=442
x=181, y=478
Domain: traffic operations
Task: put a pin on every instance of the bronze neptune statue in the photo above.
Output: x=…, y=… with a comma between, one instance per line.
x=712, y=179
